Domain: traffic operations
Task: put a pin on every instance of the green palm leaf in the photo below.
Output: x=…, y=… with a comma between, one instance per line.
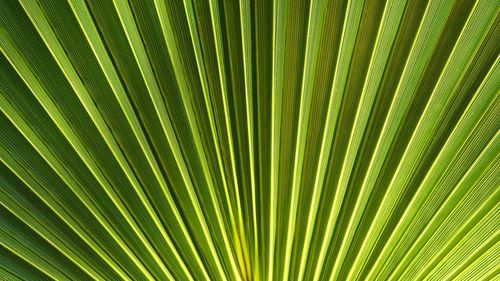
x=249, y=140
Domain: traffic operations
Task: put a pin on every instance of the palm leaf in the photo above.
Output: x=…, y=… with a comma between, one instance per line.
x=249, y=140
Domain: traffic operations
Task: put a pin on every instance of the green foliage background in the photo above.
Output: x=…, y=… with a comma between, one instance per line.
x=249, y=140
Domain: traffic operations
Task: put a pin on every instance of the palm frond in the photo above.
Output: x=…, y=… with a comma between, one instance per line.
x=249, y=140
